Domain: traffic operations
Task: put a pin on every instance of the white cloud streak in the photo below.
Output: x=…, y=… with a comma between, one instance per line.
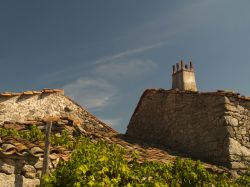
x=77, y=70
x=92, y=93
x=125, y=69
x=96, y=90
x=129, y=52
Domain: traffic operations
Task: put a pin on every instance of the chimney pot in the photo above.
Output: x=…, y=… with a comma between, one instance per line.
x=173, y=69
x=177, y=65
x=184, y=80
x=191, y=65
x=182, y=65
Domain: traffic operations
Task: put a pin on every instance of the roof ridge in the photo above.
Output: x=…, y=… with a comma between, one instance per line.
x=31, y=92
x=228, y=93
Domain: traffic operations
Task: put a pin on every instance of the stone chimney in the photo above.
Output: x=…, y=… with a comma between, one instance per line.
x=183, y=77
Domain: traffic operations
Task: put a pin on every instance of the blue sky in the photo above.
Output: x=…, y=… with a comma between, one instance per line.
x=106, y=53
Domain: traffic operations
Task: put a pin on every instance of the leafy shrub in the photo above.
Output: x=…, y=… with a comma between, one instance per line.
x=243, y=181
x=33, y=134
x=100, y=164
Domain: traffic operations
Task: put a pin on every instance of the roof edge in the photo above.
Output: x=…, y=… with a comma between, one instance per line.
x=33, y=92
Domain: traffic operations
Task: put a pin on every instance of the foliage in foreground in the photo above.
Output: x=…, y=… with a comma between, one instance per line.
x=100, y=164
x=35, y=134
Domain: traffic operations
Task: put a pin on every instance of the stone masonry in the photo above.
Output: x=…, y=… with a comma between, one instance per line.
x=21, y=171
x=37, y=105
x=20, y=160
x=183, y=77
x=213, y=126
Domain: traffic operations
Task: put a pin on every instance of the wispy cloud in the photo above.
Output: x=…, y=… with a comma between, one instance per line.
x=128, y=53
x=92, y=93
x=100, y=88
x=125, y=69
x=74, y=72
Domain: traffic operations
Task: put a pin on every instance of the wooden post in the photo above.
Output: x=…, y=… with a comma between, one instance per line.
x=45, y=169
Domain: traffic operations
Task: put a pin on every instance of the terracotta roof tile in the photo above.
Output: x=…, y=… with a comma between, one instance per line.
x=19, y=147
x=58, y=90
x=37, y=92
x=6, y=94
x=48, y=91
x=16, y=94
x=32, y=92
x=28, y=93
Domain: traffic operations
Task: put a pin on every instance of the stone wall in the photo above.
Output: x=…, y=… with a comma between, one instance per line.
x=207, y=126
x=24, y=107
x=237, y=117
x=22, y=171
x=38, y=105
x=20, y=110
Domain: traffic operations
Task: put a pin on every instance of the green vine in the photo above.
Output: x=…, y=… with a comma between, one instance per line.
x=101, y=164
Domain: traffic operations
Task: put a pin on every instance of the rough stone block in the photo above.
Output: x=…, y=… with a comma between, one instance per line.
x=212, y=127
x=6, y=168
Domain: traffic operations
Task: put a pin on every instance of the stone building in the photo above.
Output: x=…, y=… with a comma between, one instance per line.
x=211, y=126
x=21, y=160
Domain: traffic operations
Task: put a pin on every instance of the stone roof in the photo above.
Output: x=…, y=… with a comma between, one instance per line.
x=18, y=148
x=86, y=124
x=78, y=113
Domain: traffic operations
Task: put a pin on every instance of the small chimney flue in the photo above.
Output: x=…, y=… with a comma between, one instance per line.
x=183, y=77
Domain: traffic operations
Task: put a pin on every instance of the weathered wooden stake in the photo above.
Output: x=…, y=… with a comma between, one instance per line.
x=45, y=169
